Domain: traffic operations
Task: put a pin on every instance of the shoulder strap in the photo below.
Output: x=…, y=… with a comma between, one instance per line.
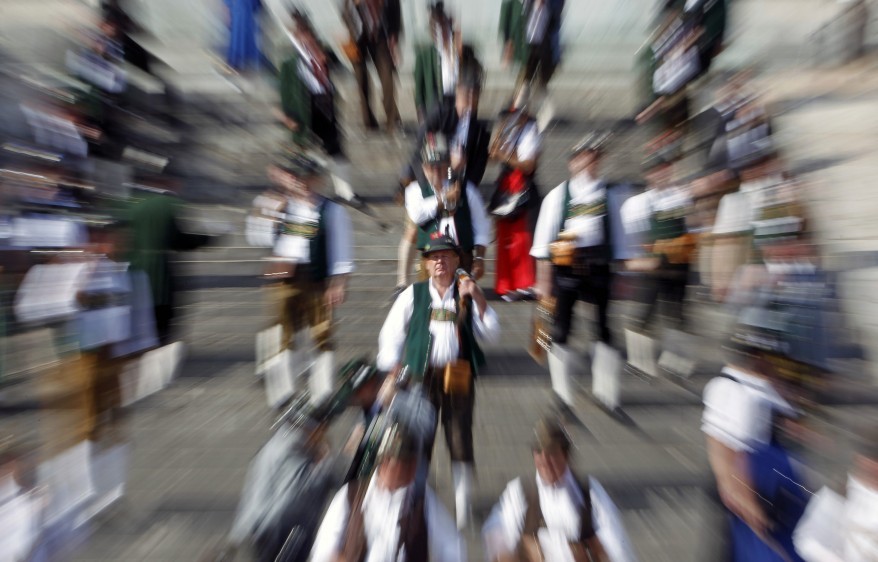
x=586, y=519
x=413, y=532
x=533, y=515
x=565, y=206
x=354, y=546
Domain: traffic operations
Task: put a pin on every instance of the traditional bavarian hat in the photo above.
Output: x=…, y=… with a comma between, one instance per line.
x=435, y=148
x=297, y=163
x=593, y=142
x=471, y=73
x=439, y=241
x=357, y=373
x=398, y=443
x=550, y=434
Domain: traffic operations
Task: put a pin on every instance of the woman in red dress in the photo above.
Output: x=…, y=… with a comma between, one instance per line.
x=515, y=203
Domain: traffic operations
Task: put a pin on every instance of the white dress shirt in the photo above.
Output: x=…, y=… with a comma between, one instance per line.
x=447, y=64
x=381, y=511
x=530, y=142
x=589, y=229
x=537, y=23
x=338, y=237
x=561, y=506
x=445, y=347
x=423, y=209
x=838, y=529
x=461, y=134
x=739, y=414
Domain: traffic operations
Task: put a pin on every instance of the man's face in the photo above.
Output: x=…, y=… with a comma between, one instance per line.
x=551, y=463
x=587, y=160
x=295, y=185
x=442, y=264
x=436, y=173
x=660, y=176
x=465, y=100
x=397, y=473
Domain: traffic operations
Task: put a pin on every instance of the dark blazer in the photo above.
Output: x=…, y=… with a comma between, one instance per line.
x=391, y=18
x=445, y=119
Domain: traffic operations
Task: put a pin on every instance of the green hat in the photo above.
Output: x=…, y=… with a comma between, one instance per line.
x=297, y=164
x=358, y=373
x=439, y=241
x=548, y=434
x=435, y=149
x=471, y=75
x=594, y=142
x=398, y=443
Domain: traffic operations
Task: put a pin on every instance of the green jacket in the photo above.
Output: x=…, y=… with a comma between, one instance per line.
x=512, y=24
x=154, y=235
x=428, y=78
x=295, y=98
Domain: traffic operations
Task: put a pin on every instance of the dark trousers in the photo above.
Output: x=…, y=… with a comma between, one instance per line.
x=590, y=284
x=539, y=66
x=456, y=415
x=667, y=285
x=324, y=124
x=379, y=52
x=164, y=314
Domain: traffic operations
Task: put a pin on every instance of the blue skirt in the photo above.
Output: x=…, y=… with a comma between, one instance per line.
x=774, y=480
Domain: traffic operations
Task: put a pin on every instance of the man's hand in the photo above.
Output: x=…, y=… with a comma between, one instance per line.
x=508, y=52
x=353, y=442
x=468, y=288
x=478, y=268
x=544, y=279
x=450, y=198
x=335, y=294
x=394, y=51
x=388, y=387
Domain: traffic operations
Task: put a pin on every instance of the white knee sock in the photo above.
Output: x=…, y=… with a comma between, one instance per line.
x=462, y=474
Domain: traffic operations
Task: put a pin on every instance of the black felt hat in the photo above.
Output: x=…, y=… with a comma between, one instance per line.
x=297, y=164
x=435, y=148
x=594, y=142
x=439, y=241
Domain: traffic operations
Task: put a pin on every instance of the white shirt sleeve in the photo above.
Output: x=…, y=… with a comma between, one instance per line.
x=446, y=544
x=818, y=536
x=530, y=143
x=487, y=328
x=481, y=224
x=419, y=208
x=391, y=339
x=732, y=415
x=548, y=223
x=502, y=530
x=339, y=248
x=328, y=541
x=635, y=213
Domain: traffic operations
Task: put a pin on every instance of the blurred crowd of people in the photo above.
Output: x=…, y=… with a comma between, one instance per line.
x=91, y=218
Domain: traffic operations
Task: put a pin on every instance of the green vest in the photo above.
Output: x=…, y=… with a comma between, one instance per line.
x=417, y=344
x=668, y=224
x=315, y=232
x=463, y=222
x=597, y=208
x=428, y=77
x=512, y=28
x=295, y=98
